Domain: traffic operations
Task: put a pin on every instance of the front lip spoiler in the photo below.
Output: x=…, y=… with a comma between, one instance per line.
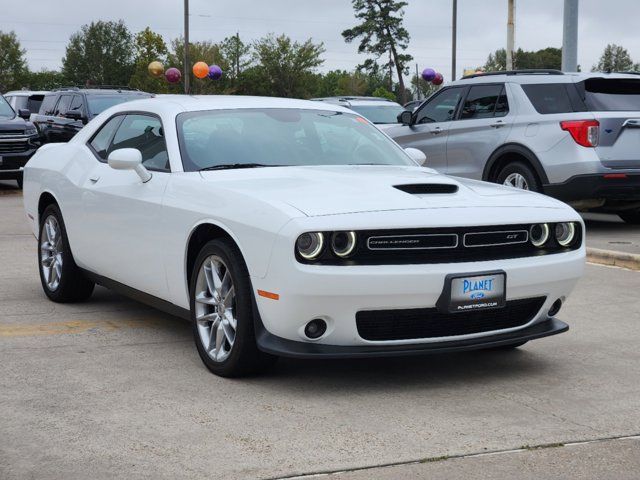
x=282, y=347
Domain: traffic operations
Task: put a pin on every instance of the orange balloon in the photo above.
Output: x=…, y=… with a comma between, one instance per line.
x=201, y=69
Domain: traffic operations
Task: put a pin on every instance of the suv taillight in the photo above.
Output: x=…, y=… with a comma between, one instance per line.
x=584, y=132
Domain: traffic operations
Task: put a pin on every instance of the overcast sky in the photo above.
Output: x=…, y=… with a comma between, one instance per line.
x=44, y=26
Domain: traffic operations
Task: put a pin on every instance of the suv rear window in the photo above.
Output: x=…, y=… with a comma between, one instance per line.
x=608, y=94
x=550, y=98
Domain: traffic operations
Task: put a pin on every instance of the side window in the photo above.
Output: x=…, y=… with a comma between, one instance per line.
x=482, y=102
x=76, y=103
x=549, y=98
x=146, y=134
x=101, y=140
x=48, y=105
x=63, y=104
x=442, y=108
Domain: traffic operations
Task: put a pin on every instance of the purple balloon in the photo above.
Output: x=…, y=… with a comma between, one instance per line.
x=172, y=75
x=215, y=72
x=428, y=74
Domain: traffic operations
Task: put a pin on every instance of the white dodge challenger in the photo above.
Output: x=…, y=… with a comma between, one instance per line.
x=292, y=228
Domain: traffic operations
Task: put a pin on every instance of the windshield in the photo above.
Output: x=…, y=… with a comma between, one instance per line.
x=5, y=109
x=98, y=103
x=279, y=137
x=379, y=113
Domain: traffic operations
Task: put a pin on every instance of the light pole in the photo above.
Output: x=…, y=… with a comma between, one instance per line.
x=186, y=69
x=453, y=39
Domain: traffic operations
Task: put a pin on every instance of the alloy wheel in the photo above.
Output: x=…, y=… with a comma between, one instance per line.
x=516, y=180
x=51, y=250
x=215, y=308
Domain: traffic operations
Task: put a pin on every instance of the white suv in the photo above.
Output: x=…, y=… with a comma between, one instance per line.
x=378, y=110
x=573, y=136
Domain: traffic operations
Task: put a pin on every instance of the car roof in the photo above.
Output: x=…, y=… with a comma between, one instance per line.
x=541, y=76
x=356, y=100
x=25, y=93
x=193, y=103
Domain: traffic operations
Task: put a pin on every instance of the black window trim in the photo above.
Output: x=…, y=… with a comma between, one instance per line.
x=123, y=115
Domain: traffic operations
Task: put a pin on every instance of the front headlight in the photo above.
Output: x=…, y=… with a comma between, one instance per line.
x=31, y=131
x=565, y=233
x=309, y=245
x=539, y=234
x=343, y=243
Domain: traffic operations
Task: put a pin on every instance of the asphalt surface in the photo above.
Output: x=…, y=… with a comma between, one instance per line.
x=112, y=389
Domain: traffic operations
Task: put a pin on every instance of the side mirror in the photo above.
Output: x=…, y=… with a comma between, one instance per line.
x=75, y=115
x=417, y=155
x=129, y=159
x=24, y=113
x=404, y=117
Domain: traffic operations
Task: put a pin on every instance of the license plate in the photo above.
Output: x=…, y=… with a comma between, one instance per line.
x=472, y=292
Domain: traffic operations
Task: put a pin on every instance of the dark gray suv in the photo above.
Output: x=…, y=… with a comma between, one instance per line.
x=573, y=136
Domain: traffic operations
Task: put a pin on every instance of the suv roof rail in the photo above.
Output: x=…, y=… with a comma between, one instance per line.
x=534, y=71
x=347, y=98
x=94, y=87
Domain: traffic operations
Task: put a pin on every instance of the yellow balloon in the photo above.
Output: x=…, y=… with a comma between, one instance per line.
x=200, y=69
x=156, y=69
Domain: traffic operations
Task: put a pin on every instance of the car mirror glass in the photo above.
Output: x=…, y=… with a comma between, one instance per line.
x=404, y=117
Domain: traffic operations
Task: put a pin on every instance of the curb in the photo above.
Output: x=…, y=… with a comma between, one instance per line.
x=616, y=259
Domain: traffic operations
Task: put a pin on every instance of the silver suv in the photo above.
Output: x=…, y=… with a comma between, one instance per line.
x=573, y=136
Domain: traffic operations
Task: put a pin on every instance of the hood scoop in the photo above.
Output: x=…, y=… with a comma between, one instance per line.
x=427, y=188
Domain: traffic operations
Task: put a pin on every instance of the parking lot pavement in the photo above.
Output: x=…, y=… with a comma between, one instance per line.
x=112, y=389
x=610, y=241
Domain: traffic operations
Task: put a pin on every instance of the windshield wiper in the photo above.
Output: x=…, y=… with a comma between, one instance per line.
x=232, y=166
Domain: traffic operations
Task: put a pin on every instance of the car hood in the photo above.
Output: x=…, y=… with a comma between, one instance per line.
x=15, y=125
x=332, y=190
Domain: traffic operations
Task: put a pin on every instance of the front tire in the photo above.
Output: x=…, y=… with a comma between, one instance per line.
x=630, y=216
x=519, y=175
x=222, y=312
x=62, y=280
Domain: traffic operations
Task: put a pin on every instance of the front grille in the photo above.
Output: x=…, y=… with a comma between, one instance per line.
x=380, y=325
x=7, y=147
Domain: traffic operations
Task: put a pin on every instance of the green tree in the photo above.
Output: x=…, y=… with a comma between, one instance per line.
x=13, y=66
x=425, y=88
x=615, y=59
x=149, y=47
x=101, y=53
x=381, y=32
x=547, y=58
x=237, y=55
x=44, y=80
x=286, y=67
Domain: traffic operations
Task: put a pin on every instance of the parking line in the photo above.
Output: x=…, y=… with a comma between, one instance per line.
x=74, y=327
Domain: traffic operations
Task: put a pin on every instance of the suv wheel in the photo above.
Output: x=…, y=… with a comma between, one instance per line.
x=518, y=175
x=630, y=216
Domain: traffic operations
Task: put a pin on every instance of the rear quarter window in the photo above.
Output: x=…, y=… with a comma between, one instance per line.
x=549, y=98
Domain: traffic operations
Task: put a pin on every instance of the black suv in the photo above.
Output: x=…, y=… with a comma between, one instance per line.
x=18, y=141
x=64, y=111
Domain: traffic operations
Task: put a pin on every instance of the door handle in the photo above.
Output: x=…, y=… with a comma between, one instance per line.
x=436, y=131
x=94, y=178
x=498, y=124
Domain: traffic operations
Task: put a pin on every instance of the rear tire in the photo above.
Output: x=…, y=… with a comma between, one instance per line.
x=519, y=175
x=630, y=216
x=222, y=312
x=62, y=280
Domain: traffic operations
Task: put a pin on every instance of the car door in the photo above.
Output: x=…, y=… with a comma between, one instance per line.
x=430, y=126
x=482, y=124
x=123, y=226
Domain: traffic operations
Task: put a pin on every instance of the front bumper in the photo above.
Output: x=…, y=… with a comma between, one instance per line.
x=288, y=348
